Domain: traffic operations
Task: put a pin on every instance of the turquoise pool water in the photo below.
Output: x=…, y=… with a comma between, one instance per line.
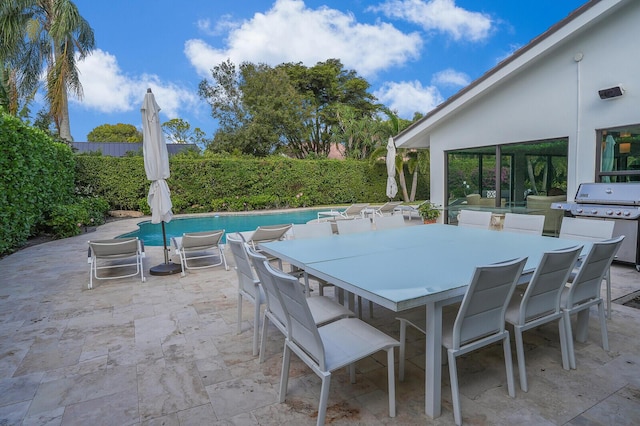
x=151, y=233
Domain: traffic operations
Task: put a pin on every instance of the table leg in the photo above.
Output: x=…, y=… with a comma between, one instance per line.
x=433, y=362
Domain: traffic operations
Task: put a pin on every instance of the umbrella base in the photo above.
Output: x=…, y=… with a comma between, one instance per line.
x=166, y=269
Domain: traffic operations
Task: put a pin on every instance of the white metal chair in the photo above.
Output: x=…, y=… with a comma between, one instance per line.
x=354, y=226
x=312, y=230
x=323, y=309
x=109, y=253
x=589, y=230
x=480, y=320
x=353, y=211
x=200, y=245
x=265, y=234
x=532, y=224
x=325, y=349
x=584, y=292
x=248, y=286
x=388, y=222
x=387, y=208
x=540, y=302
x=474, y=219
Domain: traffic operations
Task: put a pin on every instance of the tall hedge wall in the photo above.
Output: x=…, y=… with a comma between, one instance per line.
x=35, y=174
x=234, y=184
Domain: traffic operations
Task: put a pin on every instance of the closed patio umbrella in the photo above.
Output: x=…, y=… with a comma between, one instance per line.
x=156, y=166
x=392, y=187
x=607, y=157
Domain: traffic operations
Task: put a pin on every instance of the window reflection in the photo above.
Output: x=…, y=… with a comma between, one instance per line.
x=619, y=154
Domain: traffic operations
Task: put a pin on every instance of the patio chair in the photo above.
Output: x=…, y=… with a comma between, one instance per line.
x=532, y=224
x=584, y=292
x=388, y=222
x=323, y=309
x=387, y=208
x=540, y=302
x=589, y=230
x=312, y=230
x=481, y=321
x=354, y=226
x=474, y=219
x=110, y=253
x=410, y=210
x=328, y=348
x=354, y=210
x=200, y=245
x=265, y=234
x=248, y=286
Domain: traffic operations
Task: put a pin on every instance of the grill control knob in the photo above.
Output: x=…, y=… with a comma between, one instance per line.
x=579, y=210
x=594, y=211
x=618, y=212
x=609, y=212
x=627, y=213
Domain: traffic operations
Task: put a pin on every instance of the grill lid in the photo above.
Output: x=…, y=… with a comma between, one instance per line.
x=609, y=193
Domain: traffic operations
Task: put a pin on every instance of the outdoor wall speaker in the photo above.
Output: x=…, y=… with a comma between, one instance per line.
x=611, y=92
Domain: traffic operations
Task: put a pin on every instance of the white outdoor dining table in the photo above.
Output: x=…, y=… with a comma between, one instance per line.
x=413, y=266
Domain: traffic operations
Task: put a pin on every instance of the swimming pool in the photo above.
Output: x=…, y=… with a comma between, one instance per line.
x=151, y=233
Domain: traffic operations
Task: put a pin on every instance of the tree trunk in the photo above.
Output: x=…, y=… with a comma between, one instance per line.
x=414, y=185
x=65, y=125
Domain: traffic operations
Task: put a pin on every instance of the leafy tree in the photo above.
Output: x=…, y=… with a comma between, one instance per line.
x=178, y=130
x=36, y=33
x=115, y=133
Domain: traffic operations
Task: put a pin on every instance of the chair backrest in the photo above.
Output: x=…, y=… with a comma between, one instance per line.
x=311, y=230
x=389, y=222
x=301, y=327
x=587, y=282
x=195, y=240
x=117, y=247
x=354, y=226
x=269, y=233
x=355, y=209
x=523, y=223
x=543, y=292
x=474, y=219
x=273, y=301
x=484, y=304
x=246, y=278
x=388, y=207
x=586, y=229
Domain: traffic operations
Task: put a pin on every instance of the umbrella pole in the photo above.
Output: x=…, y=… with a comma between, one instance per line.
x=166, y=268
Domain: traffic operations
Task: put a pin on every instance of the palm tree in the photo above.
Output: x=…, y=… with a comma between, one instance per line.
x=51, y=33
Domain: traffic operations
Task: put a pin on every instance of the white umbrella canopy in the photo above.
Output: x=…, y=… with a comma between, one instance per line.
x=156, y=161
x=392, y=187
x=156, y=165
x=608, y=157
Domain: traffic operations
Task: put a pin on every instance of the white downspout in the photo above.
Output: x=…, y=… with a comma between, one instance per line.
x=577, y=58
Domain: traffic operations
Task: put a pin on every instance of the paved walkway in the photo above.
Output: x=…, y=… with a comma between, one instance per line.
x=165, y=352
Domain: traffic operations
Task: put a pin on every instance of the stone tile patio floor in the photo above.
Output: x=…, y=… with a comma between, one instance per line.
x=165, y=352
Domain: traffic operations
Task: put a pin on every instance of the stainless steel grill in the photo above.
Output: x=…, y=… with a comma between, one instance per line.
x=619, y=202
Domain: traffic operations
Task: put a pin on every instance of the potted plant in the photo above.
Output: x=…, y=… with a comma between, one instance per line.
x=429, y=212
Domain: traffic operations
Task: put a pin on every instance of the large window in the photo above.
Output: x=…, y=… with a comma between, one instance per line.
x=475, y=178
x=618, y=154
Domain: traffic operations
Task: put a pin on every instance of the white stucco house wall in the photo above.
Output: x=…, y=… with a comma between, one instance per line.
x=547, y=89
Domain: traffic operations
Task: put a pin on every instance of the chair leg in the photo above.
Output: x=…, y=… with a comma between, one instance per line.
x=455, y=395
x=521, y=361
x=569, y=340
x=607, y=278
x=239, y=329
x=263, y=337
x=563, y=343
x=392, y=382
x=324, y=399
x=506, y=345
x=284, y=375
x=256, y=327
x=603, y=327
x=403, y=347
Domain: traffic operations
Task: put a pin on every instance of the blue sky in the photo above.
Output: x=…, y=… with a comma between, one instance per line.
x=414, y=53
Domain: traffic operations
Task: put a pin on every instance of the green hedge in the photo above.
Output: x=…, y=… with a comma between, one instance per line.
x=219, y=183
x=36, y=173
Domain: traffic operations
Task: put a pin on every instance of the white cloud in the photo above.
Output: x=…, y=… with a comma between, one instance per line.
x=450, y=77
x=108, y=90
x=440, y=15
x=408, y=97
x=291, y=32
